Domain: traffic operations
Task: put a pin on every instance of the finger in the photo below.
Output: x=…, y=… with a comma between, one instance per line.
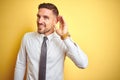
x=61, y=20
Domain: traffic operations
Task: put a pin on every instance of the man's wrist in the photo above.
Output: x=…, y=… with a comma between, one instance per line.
x=64, y=36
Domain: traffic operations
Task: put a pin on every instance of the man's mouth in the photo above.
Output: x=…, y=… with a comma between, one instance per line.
x=41, y=25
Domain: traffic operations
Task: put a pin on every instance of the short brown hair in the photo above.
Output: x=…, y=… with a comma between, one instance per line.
x=49, y=6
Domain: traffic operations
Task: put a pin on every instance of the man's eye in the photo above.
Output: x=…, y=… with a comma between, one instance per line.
x=46, y=17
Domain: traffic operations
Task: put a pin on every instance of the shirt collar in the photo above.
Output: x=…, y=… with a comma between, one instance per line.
x=50, y=37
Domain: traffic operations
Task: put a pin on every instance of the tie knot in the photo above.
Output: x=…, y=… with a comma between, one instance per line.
x=45, y=38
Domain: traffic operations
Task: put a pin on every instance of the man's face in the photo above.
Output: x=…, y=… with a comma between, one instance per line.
x=46, y=21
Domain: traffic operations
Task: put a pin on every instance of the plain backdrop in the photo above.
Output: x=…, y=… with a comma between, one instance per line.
x=93, y=24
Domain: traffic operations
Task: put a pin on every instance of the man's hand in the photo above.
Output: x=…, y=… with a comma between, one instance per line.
x=63, y=29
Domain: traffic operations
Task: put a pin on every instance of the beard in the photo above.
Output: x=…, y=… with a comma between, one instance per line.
x=42, y=29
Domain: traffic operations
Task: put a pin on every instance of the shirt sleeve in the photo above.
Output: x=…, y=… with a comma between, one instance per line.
x=76, y=54
x=20, y=62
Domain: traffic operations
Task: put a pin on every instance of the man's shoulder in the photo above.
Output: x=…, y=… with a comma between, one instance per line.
x=29, y=34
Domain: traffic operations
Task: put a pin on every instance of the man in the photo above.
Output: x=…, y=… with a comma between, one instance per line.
x=57, y=44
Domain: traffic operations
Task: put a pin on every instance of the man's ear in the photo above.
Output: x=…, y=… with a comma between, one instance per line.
x=57, y=19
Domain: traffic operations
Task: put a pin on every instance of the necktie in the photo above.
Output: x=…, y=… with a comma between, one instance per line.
x=42, y=65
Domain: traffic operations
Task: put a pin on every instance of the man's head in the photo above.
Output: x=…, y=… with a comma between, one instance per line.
x=47, y=18
x=50, y=7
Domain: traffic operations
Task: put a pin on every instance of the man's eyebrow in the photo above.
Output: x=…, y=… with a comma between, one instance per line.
x=45, y=16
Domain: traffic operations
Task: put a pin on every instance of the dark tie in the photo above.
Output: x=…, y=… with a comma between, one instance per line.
x=42, y=64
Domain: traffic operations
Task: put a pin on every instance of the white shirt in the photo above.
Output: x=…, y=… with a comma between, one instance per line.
x=57, y=49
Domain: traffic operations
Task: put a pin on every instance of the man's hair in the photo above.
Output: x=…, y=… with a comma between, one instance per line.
x=49, y=6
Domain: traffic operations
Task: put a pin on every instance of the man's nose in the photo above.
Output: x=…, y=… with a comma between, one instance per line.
x=41, y=20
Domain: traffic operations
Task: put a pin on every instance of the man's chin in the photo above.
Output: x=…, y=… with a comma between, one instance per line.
x=44, y=31
x=40, y=32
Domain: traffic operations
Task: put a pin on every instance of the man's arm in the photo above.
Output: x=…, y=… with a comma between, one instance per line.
x=76, y=54
x=73, y=51
x=21, y=62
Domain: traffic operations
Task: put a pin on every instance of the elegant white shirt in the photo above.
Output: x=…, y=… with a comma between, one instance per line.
x=57, y=49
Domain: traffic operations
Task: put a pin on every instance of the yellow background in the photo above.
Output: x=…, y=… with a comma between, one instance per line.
x=93, y=24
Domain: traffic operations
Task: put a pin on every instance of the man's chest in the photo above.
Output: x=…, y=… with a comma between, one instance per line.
x=55, y=50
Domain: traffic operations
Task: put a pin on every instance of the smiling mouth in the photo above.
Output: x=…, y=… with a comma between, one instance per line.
x=41, y=25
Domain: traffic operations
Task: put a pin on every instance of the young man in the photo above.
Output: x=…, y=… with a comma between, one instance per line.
x=43, y=52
